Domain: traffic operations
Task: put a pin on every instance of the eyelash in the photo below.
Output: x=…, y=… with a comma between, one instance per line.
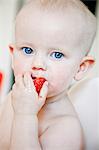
x=29, y=51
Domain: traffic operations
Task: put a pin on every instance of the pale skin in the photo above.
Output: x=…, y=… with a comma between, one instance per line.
x=47, y=121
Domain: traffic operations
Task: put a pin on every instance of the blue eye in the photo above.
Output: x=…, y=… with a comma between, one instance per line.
x=57, y=55
x=27, y=50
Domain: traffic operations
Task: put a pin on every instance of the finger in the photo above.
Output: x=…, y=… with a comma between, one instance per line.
x=43, y=92
x=28, y=82
x=19, y=81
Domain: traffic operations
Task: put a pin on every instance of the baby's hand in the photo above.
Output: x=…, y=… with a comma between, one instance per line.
x=25, y=99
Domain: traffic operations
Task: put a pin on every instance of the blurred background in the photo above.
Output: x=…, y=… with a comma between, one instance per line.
x=8, y=11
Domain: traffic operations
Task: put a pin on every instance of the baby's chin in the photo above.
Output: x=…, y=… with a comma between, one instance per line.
x=53, y=93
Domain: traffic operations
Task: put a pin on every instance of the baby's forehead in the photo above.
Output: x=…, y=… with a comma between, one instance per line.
x=73, y=12
x=57, y=25
x=70, y=18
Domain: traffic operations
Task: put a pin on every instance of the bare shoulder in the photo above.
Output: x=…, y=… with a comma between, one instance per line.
x=65, y=133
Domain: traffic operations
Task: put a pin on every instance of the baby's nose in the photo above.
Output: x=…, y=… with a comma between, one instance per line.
x=39, y=64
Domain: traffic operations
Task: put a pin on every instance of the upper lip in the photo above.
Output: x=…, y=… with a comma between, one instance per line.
x=36, y=76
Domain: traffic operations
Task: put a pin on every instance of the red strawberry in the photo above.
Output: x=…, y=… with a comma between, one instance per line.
x=38, y=82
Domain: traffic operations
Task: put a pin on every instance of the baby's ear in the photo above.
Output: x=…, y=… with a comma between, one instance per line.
x=85, y=66
x=11, y=48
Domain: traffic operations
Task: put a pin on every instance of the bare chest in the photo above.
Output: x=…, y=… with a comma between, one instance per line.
x=50, y=114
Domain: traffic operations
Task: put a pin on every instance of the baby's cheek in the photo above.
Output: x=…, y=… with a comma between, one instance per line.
x=19, y=68
x=58, y=83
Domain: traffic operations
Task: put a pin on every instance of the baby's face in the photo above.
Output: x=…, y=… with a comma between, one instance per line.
x=46, y=47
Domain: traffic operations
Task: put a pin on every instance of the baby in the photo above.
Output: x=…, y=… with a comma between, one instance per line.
x=52, y=40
